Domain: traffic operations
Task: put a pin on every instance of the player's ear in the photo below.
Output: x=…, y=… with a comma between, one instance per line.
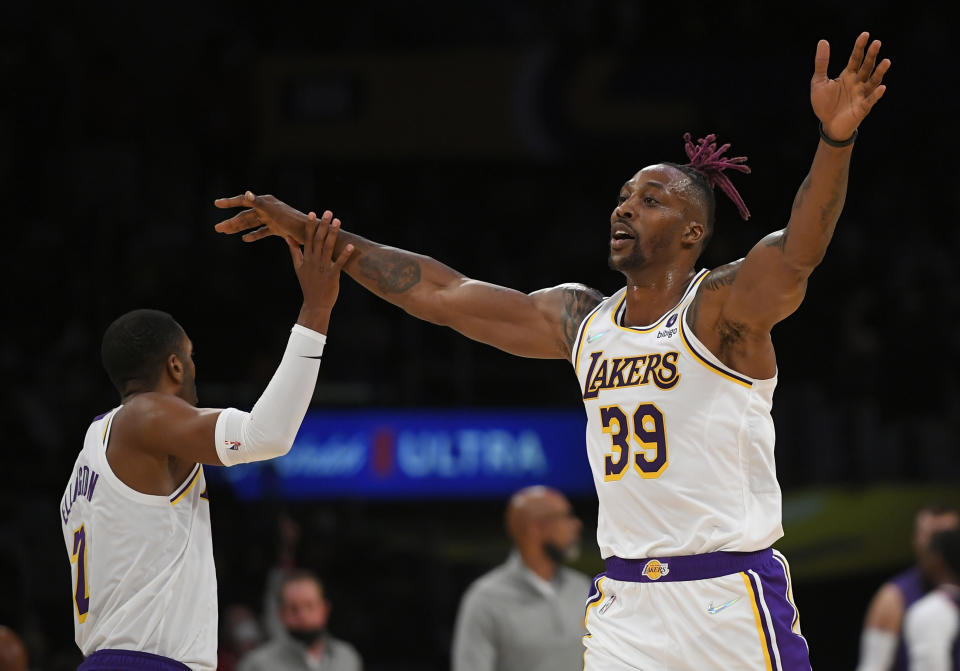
x=175, y=368
x=693, y=233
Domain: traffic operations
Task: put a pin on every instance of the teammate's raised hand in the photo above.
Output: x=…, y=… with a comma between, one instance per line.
x=317, y=270
x=842, y=103
x=266, y=216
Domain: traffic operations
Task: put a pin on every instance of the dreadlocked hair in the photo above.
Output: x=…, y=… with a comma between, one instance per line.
x=710, y=162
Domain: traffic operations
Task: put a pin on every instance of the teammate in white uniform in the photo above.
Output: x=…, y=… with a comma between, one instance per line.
x=135, y=514
x=677, y=372
x=931, y=626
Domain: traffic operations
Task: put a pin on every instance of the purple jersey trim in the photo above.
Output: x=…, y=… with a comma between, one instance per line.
x=100, y=416
x=129, y=660
x=688, y=567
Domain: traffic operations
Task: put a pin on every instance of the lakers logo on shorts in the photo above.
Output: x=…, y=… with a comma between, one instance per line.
x=654, y=570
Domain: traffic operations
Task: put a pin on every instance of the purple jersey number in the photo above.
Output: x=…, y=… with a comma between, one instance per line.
x=81, y=595
x=649, y=430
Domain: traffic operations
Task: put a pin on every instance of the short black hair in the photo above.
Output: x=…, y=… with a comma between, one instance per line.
x=947, y=545
x=703, y=185
x=136, y=346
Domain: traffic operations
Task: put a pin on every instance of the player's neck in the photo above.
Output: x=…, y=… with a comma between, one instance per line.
x=651, y=291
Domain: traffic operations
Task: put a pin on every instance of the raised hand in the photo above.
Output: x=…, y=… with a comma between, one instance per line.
x=317, y=271
x=842, y=103
x=267, y=216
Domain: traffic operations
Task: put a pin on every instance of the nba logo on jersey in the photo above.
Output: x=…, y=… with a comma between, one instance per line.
x=654, y=570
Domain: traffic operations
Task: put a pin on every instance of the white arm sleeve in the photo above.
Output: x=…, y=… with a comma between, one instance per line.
x=268, y=430
x=877, y=650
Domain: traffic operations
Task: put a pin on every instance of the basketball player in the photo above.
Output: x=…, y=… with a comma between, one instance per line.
x=882, y=644
x=677, y=371
x=931, y=626
x=134, y=514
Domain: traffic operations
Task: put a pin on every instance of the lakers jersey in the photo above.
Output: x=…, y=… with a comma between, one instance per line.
x=681, y=447
x=142, y=565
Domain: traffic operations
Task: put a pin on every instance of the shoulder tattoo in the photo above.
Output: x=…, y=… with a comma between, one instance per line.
x=715, y=281
x=578, y=301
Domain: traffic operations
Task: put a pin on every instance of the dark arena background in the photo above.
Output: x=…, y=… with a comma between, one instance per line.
x=493, y=136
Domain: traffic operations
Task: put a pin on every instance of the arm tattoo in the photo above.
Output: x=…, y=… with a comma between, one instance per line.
x=778, y=239
x=578, y=301
x=801, y=193
x=722, y=277
x=830, y=212
x=716, y=280
x=391, y=272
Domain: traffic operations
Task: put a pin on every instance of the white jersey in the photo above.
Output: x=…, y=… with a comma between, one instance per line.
x=680, y=446
x=142, y=565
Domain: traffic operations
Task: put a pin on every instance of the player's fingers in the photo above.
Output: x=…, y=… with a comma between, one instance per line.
x=876, y=95
x=856, y=56
x=243, y=200
x=879, y=73
x=869, y=62
x=822, y=60
x=259, y=234
x=296, y=254
x=309, y=235
x=238, y=222
x=343, y=258
x=330, y=243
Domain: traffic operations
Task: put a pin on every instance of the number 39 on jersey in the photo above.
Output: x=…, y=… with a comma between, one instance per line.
x=638, y=438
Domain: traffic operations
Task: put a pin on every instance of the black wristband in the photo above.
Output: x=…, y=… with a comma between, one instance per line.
x=844, y=143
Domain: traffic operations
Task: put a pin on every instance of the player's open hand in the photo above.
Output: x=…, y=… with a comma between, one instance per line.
x=317, y=270
x=264, y=217
x=842, y=103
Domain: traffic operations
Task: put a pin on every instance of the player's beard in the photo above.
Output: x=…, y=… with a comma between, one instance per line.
x=632, y=261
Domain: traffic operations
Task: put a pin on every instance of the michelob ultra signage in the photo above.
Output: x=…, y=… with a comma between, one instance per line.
x=421, y=454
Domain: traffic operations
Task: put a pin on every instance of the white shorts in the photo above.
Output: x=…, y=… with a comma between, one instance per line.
x=723, y=610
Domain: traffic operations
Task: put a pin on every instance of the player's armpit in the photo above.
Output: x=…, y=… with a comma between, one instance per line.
x=166, y=425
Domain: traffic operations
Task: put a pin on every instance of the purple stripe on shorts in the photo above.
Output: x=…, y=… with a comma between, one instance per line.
x=129, y=660
x=688, y=567
x=794, y=654
x=767, y=640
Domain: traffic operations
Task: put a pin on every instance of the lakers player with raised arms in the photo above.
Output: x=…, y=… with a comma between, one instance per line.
x=677, y=371
x=135, y=514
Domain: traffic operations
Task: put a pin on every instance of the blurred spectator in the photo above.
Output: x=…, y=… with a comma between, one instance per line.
x=931, y=625
x=527, y=614
x=286, y=565
x=882, y=646
x=13, y=653
x=305, y=644
x=241, y=633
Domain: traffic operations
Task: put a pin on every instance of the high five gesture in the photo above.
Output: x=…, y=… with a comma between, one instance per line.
x=842, y=103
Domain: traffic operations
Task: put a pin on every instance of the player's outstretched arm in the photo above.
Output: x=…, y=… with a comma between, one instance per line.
x=540, y=325
x=167, y=425
x=771, y=282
